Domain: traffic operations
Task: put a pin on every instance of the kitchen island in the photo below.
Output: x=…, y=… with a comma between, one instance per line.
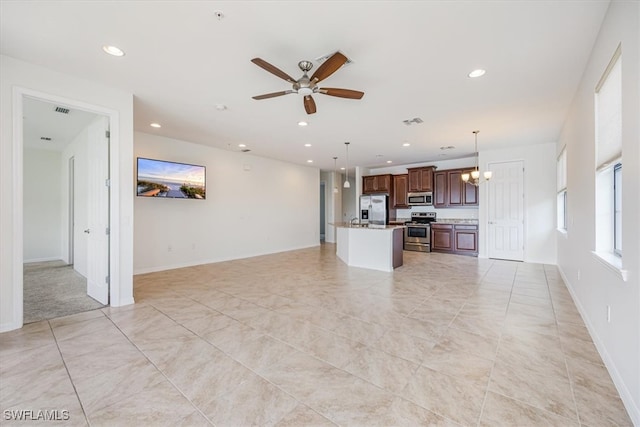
x=374, y=248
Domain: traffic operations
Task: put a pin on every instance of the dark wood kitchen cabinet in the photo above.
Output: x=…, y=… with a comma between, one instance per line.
x=461, y=239
x=400, y=191
x=450, y=191
x=442, y=237
x=465, y=239
x=376, y=184
x=470, y=192
x=420, y=179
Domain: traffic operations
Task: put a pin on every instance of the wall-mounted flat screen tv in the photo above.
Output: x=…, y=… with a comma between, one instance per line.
x=160, y=178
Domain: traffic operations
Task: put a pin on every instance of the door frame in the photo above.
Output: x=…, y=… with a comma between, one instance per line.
x=18, y=95
x=71, y=209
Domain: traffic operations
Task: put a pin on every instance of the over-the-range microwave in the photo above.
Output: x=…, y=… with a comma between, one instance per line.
x=420, y=199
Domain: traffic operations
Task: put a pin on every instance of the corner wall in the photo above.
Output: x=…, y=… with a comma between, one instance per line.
x=593, y=285
x=254, y=206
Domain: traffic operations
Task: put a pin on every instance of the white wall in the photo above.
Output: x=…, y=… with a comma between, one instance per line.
x=18, y=77
x=349, y=199
x=254, y=206
x=539, y=200
x=592, y=284
x=42, y=205
x=333, y=203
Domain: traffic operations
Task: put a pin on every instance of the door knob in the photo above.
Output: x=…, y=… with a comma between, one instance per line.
x=87, y=231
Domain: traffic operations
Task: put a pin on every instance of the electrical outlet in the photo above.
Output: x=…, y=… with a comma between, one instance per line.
x=608, y=314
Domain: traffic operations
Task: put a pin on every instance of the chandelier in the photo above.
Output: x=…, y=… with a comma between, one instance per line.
x=475, y=174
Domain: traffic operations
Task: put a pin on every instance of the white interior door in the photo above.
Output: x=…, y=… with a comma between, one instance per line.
x=506, y=211
x=98, y=215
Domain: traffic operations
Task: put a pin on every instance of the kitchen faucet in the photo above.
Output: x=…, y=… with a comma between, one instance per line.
x=353, y=219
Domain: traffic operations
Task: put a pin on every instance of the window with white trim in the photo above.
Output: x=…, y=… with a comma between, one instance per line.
x=561, y=205
x=608, y=120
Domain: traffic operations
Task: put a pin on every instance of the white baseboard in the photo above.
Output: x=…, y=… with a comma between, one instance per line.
x=627, y=398
x=9, y=326
x=28, y=261
x=213, y=261
x=122, y=303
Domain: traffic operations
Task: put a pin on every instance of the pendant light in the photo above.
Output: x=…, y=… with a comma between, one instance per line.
x=346, y=180
x=335, y=187
x=475, y=174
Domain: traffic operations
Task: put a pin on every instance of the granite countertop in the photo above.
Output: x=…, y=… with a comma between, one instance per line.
x=469, y=221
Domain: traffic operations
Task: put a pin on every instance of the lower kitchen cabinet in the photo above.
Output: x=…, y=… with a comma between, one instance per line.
x=466, y=239
x=442, y=237
x=461, y=239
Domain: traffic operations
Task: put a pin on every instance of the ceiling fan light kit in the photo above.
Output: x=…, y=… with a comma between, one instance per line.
x=307, y=86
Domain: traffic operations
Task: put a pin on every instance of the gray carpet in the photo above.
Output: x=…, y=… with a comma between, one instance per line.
x=54, y=289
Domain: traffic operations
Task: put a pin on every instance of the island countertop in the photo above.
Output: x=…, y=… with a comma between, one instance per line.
x=363, y=227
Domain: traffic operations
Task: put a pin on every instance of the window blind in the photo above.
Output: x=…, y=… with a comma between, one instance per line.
x=609, y=115
x=561, y=170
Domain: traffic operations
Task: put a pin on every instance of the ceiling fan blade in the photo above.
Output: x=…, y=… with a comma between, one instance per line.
x=329, y=67
x=309, y=104
x=272, y=95
x=342, y=93
x=272, y=69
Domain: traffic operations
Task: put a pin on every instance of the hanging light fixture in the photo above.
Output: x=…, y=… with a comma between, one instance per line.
x=475, y=174
x=335, y=187
x=346, y=180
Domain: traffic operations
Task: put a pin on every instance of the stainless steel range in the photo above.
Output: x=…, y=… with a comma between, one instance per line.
x=417, y=233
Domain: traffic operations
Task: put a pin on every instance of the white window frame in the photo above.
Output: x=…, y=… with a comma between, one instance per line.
x=608, y=167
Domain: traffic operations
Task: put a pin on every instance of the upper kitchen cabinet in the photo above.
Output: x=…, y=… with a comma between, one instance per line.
x=376, y=184
x=469, y=192
x=450, y=191
x=421, y=179
x=400, y=191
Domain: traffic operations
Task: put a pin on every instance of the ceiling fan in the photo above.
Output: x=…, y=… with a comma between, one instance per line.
x=305, y=85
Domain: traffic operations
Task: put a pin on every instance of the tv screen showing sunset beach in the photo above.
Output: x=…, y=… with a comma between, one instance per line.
x=159, y=178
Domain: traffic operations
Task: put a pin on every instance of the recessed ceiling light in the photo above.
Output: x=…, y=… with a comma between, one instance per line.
x=242, y=145
x=477, y=73
x=307, y=145
x=389, y=161
x=309, y=161
x=155, y=125
x=302, y=123
x=342, y=168
x=406, y=144
x=113, y=50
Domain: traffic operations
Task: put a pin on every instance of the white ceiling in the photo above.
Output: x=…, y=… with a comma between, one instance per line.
x=411, y=58
x=41, y=121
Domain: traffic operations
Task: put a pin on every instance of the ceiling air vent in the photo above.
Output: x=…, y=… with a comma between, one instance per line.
x=45, y=138
x=415, y=120
x=62, y=110
x=245, y=150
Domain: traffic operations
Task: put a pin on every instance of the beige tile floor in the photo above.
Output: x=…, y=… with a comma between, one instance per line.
x=299, y=339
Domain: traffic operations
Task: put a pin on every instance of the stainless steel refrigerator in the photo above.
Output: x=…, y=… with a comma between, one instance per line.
x=377, y=210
